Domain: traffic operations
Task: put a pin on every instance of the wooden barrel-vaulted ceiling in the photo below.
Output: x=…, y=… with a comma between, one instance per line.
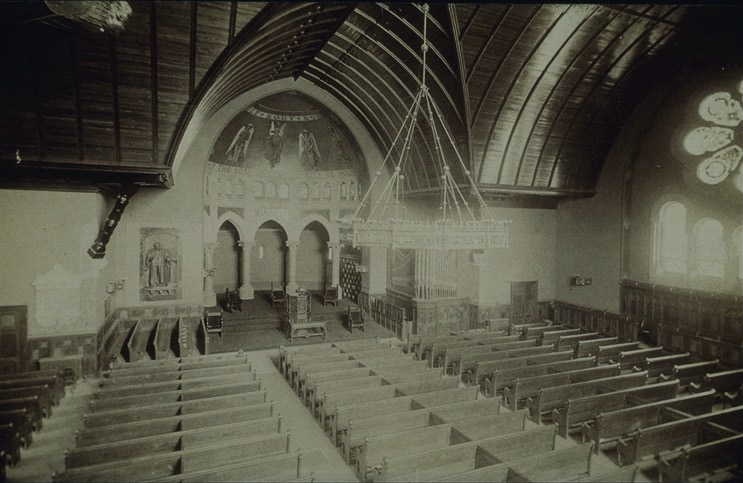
x=533, y=95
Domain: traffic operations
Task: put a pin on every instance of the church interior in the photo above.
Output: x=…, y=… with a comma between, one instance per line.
x=310, y=241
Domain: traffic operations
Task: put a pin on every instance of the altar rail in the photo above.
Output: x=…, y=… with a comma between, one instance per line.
x=708, y=325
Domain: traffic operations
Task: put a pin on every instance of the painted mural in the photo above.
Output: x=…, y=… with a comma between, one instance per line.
x=286, y=133
x=159, y=264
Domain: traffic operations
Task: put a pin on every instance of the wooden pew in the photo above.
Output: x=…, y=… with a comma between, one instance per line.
x=295, y=466
x=183, y=359
x=345, y=398
x=143, y=389
x=32, y=405
x=307, y=392
x=423, y=347
x=285, y=354
x=548, y=399
x=262, y=414
x=441, y=358
x=170, y=365
x=578, y=410
x=414, y=342
x=139, y=346
x=454, y=353
x=523, y=388
x=549, y=337
x=625, y=474
x=381, y=378
x=31, y=374
x=570, y=341
x=152, y=467
x=558, y=465
x=304, y=369
x=439, y=462
x=341, y=415
x=518, y=329
x=611, y=353
x=22, y=421
x=407, y=418
x=105, y=418
x=473, y=370
x=671, y=435
x=44, y=392
x=629, y=359
x=168, y=442
x=500, y=378
x=166, y=339
x=722, y=382
x=297, y=360
x=591, y=346
x=405, y=443
x=394, y=376
x=702, y=459
x=662, y=364
x=610, y=425
x=55, y=382
x=174, y=375
x=691, y=373
x=537, y=331
x=10, y=445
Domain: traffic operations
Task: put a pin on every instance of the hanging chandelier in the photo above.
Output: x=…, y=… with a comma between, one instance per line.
x=387, y=224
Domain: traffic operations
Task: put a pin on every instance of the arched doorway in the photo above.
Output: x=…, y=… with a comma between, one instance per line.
x=268, y=263
x=313, y=264
x=227, y=259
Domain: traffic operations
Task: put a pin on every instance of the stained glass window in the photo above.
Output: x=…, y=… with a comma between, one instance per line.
x=716, y=142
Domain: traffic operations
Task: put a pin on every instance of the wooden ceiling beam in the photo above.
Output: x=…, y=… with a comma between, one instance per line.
x=76, y=98
x=232, y=21
x=115, y=96
x=463, y=84
x=192, y=51
x=587, y=43
x=468, y=22
x=154, y=88
x=342, y=17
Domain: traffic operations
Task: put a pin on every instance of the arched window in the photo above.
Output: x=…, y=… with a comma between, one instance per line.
x=709, y=248
x=671, y=238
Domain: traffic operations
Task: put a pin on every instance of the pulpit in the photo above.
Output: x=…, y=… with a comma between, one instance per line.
x=296, y=321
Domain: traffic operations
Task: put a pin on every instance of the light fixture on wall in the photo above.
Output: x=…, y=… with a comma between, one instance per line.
x=330, y=253
x=113, y=286
x=260, y=252
x=580, y=280
x=457, y=228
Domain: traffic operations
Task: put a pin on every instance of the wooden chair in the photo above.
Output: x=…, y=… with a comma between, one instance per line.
x=330, y=296
x=277, y=296
x=355, y=319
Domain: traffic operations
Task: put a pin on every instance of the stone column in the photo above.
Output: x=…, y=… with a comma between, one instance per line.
x=293, y=248
x=335, y=269
x=209, y=298
x=246, y=289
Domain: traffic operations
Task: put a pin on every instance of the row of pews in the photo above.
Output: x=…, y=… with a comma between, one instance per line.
x=26, y=399
x=638, y=404
x=202, y=418
x=393, y=418
x=142, y=340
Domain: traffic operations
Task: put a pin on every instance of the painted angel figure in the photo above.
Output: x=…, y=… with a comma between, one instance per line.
x=274, y=143
x=309, y=155
x=238, y=150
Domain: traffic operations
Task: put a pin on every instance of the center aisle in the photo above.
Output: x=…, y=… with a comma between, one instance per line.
x=306, y=435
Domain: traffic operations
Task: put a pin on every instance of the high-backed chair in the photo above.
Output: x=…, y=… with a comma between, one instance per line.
x=330, y=296
x=278, y=296
x=355, y=318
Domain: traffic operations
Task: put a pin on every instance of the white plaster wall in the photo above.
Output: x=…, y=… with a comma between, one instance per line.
x=41, y=229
